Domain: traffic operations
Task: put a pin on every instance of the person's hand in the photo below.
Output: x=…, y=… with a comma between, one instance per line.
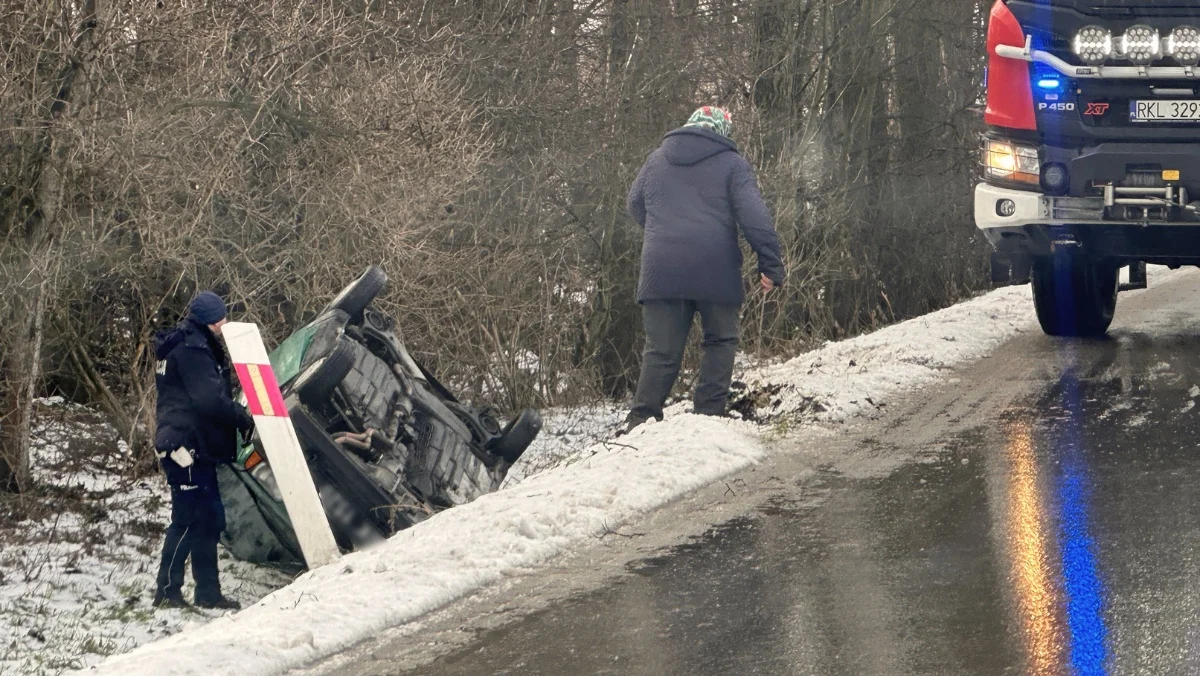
x=767, y=284
x=245, y=422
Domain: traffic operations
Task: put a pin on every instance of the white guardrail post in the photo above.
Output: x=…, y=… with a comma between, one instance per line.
x=279, y=441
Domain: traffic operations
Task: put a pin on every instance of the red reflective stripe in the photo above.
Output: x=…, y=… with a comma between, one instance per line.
x=262, y=390
x=273, y=393
x=252, y=402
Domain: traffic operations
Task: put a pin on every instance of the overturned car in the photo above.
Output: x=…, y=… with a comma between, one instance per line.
x=386, y=443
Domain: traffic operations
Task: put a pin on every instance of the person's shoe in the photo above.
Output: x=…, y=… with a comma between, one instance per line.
x=219, y=603
x=629, y=425
x=161, y=601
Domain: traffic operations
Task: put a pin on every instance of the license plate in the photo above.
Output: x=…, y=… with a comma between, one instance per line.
x=1164, y=111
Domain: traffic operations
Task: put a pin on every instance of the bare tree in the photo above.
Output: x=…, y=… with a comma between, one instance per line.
x=35, y=220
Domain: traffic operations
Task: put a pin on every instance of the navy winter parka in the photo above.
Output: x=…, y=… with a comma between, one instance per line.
x=691, y=197
x=195, y=406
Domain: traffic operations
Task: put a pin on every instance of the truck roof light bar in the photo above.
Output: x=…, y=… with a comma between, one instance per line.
x=1028, y=53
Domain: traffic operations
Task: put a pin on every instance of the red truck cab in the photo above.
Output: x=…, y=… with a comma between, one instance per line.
x=1091, y=157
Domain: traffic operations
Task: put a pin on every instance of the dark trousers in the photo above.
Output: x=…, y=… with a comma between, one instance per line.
x=197, y=520
x=668, y=323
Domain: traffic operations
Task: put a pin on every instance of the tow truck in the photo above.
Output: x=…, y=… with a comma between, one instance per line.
x=1090, y=159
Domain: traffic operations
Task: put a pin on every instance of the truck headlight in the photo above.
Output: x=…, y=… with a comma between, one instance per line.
x=1093, y=45
x=1184, y=45
x=1141, y=45
x=1007, y=161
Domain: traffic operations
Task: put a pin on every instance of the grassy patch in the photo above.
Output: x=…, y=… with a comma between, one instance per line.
x=98, y=646
x=127, y=612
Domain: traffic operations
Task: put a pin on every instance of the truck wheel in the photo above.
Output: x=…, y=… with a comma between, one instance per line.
x=315, y=384
x=1074, y=296
x=358, y=294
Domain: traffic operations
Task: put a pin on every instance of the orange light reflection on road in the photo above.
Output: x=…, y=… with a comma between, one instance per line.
x=1038, y=596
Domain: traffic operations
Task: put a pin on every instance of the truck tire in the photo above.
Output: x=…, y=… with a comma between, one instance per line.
x=1074, y=296
x=315, y=384
x=358, y=294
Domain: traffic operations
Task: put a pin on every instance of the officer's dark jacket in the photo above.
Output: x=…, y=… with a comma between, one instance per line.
x=195, y=396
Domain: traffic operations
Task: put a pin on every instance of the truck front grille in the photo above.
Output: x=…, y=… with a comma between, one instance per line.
x=1076, y=208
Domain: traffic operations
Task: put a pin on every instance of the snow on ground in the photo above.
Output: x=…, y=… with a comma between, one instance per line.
x=77, y=560
x=567, y=492
x=571, y=434
x=857, y=377
x=568, y=435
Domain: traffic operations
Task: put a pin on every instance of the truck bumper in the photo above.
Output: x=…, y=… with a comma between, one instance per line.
x=989, y=200
x=1038, y=225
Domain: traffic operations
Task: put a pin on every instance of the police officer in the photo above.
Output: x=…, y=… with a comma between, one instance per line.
x=198, y=423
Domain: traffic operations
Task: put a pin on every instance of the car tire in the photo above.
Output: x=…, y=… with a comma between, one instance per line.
x=517, y=436
x=358, y=294
x=1074, y=296
x=316, y=383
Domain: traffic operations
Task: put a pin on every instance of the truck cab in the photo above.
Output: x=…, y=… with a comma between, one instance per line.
x=1091, y=156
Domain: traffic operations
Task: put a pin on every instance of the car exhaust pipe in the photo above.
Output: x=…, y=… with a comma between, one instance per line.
x=359, y=440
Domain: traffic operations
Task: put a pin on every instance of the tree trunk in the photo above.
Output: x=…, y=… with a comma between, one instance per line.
x=20, y=368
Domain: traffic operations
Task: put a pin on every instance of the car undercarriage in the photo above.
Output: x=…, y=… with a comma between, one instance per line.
x=387, y=444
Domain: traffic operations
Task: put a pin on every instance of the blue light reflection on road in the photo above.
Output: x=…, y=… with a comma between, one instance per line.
x=1084, y=590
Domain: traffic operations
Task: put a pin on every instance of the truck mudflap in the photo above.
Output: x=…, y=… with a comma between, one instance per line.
x=1138, y=278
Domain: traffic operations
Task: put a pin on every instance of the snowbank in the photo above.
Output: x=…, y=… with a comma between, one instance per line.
x=586, y=494
x=858, y=376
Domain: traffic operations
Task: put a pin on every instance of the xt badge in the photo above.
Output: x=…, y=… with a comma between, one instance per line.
x=1096, y=109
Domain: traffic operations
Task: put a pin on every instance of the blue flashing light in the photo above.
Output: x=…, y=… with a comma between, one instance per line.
x=1048, y=83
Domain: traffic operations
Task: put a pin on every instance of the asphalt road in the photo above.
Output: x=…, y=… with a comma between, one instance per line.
x=1037, y=515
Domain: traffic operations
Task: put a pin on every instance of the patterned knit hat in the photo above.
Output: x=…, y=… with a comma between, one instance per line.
x=712, y=119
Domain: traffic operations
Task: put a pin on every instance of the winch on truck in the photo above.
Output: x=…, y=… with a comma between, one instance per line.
x=1091, y=158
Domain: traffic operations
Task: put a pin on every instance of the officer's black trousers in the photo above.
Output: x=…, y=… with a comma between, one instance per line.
x=197, y=520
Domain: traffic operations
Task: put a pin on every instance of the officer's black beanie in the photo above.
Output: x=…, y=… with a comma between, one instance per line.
x=208, y=308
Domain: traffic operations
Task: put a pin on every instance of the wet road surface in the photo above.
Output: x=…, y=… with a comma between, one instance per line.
x=1038, y=517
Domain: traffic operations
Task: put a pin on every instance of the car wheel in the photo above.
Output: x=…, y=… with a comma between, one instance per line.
x=1074, y=296
x=358, y=294
x=316, y=383
x=518, y=435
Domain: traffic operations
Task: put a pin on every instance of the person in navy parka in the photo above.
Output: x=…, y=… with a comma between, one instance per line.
x=197, y=426
x=693, y=197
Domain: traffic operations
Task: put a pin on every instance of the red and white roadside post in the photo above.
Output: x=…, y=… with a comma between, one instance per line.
x=280, y=444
